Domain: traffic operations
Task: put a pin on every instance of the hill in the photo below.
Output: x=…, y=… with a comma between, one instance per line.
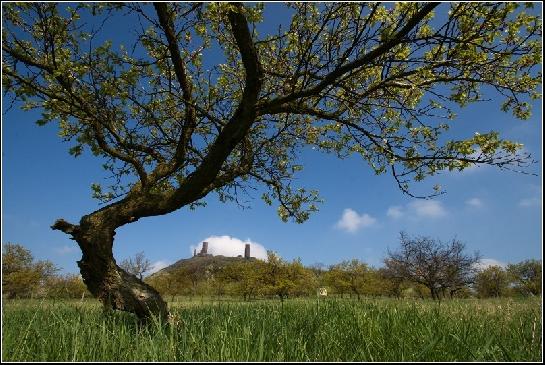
x=200, y=264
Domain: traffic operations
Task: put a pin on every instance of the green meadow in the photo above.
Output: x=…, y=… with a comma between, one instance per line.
x=296, y=330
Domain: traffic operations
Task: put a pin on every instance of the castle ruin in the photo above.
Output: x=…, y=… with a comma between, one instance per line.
x=247, y=251
x=204, y=251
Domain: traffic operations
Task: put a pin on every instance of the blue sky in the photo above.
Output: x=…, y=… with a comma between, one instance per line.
x=498, y=213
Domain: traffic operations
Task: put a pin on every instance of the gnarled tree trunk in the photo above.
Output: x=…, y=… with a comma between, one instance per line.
x=113, y=286
x=107, y=281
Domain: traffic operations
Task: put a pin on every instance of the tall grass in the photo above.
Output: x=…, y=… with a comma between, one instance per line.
x=297, y=330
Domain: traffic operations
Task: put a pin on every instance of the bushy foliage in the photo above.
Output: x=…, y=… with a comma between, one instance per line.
x=492, y=282
x=22, y=276
x=275, y=277
x=526, y=276
x=66, y=286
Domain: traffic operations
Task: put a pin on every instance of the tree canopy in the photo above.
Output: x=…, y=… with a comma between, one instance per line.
x=197, y=101
x=21, y=275
x=492, y=282
x=527, y=276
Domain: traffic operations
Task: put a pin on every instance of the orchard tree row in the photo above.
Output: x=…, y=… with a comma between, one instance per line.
x=422, y=267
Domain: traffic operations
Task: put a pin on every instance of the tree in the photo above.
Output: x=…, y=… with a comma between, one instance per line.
x=458, y=268
x=393, y=282
x=21, y=275
x=168, y=283
x=336, y=279
x=277, y=280
x=377, y=284
x=526, y=275
x=351, y=276
x=246, y=276
x=491, y=282
x=438, y=266
x=66, y=286
x=138, y=266
x=171, y=126
x=217, y=279
x=305, y=280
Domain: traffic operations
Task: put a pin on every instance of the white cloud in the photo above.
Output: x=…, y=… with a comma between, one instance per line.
x=427, y=209
x=395, y=212
x=417, y=210
x=157, y=265
x=65, y=250
x=475, y=202
x=486, y=263
x=231, y=246
x=352, y=221
x=530, y=202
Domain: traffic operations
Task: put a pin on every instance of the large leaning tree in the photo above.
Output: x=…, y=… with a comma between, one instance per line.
x=196, y=99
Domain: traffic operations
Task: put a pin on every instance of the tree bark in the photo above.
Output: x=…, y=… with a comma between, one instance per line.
x=109, y=283
x=105, y=279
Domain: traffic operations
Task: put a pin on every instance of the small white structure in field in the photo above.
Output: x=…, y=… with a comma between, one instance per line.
x=322, y=292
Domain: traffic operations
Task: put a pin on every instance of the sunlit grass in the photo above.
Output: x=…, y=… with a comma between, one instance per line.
x=298, y=330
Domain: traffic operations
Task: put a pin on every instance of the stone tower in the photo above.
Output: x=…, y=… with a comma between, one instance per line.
x=247, y=251
x=204, y=249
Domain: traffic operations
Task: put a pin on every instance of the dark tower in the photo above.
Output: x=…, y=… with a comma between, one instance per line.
x=204, y=249
x=247, y=251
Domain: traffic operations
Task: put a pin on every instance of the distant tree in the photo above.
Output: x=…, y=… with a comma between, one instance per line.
x=277, y=278
x=21, y=275
x=376, y=284
x=195, y=276
x=246, y=277
x=66, y=286
x=419, y=290
x=319, y=270
x=352, y=275
x=304, y=279
x=137, y=265
x=169, y=283
x=436, y=265
x=458, y=268
x=203, y=288
x=318, y=267
x=378, y=80
x=526, y=276
x=393, y=281
x=491, y=282
x=337, y=280
x=218, y=279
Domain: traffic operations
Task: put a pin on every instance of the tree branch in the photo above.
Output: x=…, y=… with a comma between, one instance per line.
x=93, y=116
x=330, y=78
x=239, y=124
x=64, y=226
x=179, y=70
